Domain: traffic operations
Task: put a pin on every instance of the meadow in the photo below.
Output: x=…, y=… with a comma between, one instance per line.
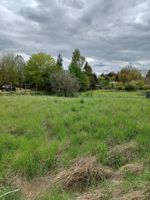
x=42, y=135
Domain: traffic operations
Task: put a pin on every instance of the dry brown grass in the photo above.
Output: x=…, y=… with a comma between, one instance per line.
x=135, y=169
x=30, y=189
x=83, y=173
x=133, y=195
x=97, y=194
x=127, y=151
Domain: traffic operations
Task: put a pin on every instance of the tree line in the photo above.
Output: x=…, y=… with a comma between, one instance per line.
x=43, y=72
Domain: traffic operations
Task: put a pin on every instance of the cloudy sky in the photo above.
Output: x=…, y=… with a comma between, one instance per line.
x=109, y=33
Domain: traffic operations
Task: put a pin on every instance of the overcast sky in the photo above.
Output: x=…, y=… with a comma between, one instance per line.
x=109, y=33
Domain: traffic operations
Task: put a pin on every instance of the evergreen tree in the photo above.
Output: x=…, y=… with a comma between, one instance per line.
x=91, y=76
x=76, y=69
x=60, y=61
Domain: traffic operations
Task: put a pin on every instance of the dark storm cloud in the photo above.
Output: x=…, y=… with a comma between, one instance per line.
x=109, y=33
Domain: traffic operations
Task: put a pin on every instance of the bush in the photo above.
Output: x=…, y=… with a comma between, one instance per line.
x=64, y=84
x=139, y=84
x=146, y=87
x=105, y=84
x=119, y=86
x=128, y=74
x=130, y=87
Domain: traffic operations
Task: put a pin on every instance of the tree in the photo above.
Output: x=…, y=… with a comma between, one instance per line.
x=147, y=79
x=20, y=66
x=148, y=74
x=113, y=76
x=76, y=69
x=103, y=81
x=39, y=68
x=91, y=76
x=129, y=74
x=64, y=84
x=8, y=70
x=60, y=61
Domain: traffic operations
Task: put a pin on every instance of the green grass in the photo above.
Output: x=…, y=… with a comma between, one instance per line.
x=56, y=194
x=11, y=196
x=39, y=134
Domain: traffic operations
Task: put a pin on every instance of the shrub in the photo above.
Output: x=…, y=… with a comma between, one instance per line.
x=64, y=84
x=130, y=87
x=82, y=101
x=104, y=84
x=119, y=86
x=128, y=74
x=139, y=84
x=146, y=87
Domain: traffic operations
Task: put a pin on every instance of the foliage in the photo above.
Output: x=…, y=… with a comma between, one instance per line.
x=76, y=69
x=113, y=76
x=36, y=73
x=129, y=74
x=20, y=66
x=119, y=86
x=64, y=84
x=60, y=61
x=8, y=70
x=139, y=84
x=91, y=76
x=104, y=82
x=148, y=74
x=39, y=69
x=130, y=86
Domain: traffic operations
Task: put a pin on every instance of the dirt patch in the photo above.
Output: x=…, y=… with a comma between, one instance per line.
x=83, y=173
x=126, y=152
x=135, y=169
x=30, y=189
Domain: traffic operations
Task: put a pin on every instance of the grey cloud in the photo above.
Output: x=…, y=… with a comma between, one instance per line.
x=112, y=33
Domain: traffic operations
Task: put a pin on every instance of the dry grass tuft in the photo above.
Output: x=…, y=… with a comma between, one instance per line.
x=134, y=169
x=126, y=151
x=83, y=173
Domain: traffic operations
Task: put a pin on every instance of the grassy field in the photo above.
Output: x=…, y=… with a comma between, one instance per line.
x=40, y=135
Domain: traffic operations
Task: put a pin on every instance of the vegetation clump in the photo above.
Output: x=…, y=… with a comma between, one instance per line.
x=64, y=84
x=84, y=172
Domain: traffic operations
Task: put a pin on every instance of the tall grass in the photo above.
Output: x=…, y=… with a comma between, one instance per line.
x=39, y=134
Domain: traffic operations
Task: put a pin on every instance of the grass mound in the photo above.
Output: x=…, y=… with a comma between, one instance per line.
x=84, y=172
x=134, y=169
x=122, y=154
